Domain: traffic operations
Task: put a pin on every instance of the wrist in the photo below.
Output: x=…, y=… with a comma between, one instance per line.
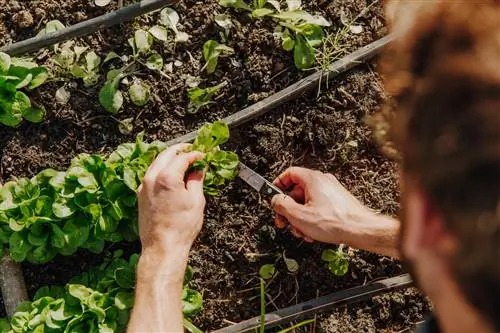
x=373, y=232
x=167, y=264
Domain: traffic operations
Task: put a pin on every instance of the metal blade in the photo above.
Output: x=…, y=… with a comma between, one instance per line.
x=259, y=183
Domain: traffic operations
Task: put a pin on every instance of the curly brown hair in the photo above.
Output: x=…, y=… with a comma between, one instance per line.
x=444, y=75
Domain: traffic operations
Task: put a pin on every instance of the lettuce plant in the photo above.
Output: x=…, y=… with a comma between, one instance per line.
x=58, y=212
x=17, y=74
x=99, y=300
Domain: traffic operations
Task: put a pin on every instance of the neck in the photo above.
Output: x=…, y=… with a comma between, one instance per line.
x=454, y=313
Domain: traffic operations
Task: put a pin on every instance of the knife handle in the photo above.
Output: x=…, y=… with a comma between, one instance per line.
x=269, y=189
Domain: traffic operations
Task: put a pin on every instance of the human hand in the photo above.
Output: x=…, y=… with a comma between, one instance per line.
x=171, y=204
x=317, y=206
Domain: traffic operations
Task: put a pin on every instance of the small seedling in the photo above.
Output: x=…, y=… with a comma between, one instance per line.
x=212, y=50
x=338, y=262
x=267, y=271
x=17, y=74
x=299, y=30
x=200, y=97
x=291, y=264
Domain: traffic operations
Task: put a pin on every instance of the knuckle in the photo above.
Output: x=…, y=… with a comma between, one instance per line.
x=147, y=182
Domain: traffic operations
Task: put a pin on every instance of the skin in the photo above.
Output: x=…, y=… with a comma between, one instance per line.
x=317, y=207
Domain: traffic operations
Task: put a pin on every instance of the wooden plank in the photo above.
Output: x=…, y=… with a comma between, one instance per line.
x=86, y=27
x=300, y=87
x=321, y=304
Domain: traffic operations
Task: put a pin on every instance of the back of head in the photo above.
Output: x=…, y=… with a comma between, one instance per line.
x=444, y=75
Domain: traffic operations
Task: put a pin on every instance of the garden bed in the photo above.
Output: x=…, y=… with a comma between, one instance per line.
x=324, y=131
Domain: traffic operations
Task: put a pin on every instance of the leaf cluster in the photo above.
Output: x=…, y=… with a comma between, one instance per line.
x=99, y=300
x=220, y=166
x=337, y=261
x=17, y=74
x=300, y=31
x=95, y=199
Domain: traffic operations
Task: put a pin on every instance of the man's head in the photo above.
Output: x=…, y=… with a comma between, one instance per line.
x=444, y=74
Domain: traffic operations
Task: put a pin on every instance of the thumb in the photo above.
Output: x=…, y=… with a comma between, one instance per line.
x=194, y=182
x=285, y=205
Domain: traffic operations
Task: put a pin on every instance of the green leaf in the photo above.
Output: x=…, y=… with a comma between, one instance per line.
x=80, y=292
x=210, y=55
x=40, y=75
x=125, y=277
x=78, y=71
x=139, y=92
x=37, y=240
x=267, y=271
x=155, y=62
x=291, y=264
x=288, y=43
x=338, y=262
x=159, y=33
x=110, y=97
x=223, y=21
x=238, y=4
x=21, y=103
x=34, y=115
x=110, y=56
x=199, y=97
x=58, y=238
x=169, y=18
x=192, y=302
x=4, y=62
x=79, y=50
x=143, y=40
x=19, y=246
x=53, y=26
x=10, y=119
x=211, y=136
x=92, y=60
x=124, y=301
x=329, y=255
x=62, y=208
x=303, y=54
x=339, y=268
x=313, y=34
x=262, y=12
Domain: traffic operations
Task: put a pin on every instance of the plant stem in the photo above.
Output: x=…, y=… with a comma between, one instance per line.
x=262, y=306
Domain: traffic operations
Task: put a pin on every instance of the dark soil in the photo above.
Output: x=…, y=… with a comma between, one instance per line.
x=325, y=132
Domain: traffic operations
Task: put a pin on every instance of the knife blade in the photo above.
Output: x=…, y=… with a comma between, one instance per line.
x=257, y=182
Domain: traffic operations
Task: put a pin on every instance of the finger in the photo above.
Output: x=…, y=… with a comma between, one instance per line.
x=298, y=194
x=194, y=182
x=293, y=176
x=174, y=173
x=164, y=159
x=279, y=221
x=182, y=161
x=287, y=207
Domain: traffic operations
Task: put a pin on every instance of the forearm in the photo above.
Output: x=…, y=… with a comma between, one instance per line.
x=375, y=233
x=158, y=292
